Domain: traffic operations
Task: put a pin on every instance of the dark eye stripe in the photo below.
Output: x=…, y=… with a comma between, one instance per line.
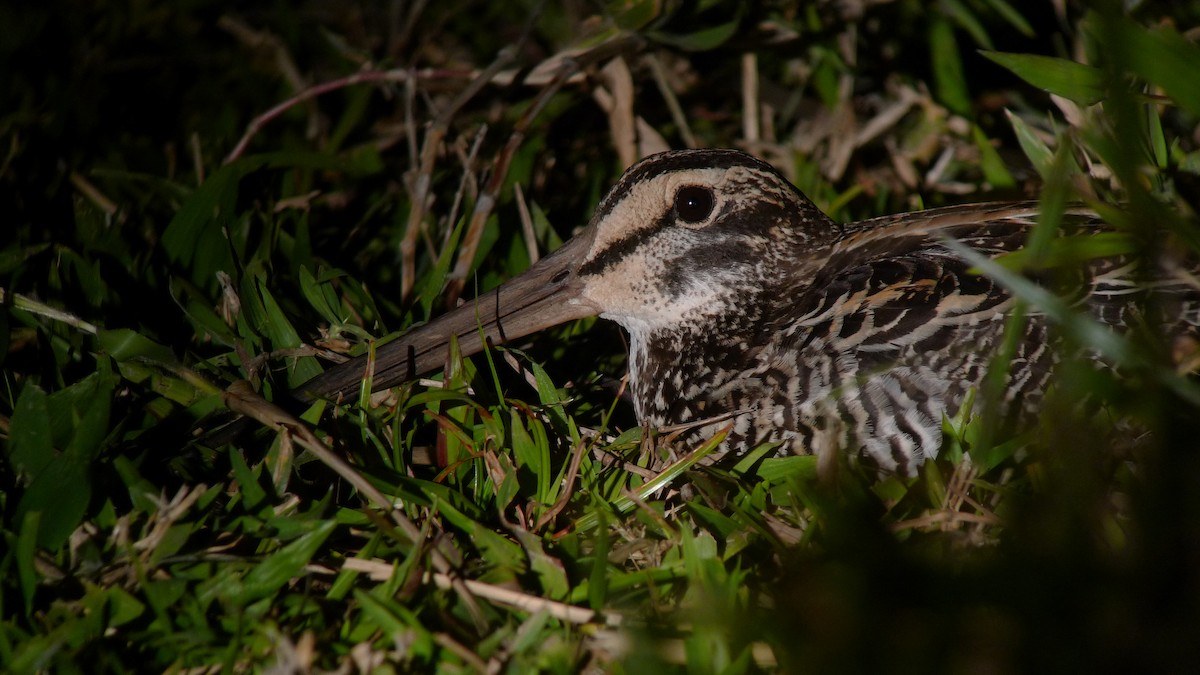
x=651, y=168
x=624, y=246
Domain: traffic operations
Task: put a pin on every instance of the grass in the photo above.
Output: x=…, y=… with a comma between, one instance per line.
x=208, y=204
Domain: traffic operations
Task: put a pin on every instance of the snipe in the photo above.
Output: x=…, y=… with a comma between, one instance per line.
x=740, y=296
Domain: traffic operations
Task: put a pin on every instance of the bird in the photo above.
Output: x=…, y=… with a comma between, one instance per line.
x=747, y=305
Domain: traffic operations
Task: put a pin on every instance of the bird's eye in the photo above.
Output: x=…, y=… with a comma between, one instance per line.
x=694, y=204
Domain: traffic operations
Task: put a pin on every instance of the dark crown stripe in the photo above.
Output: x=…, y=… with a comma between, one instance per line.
x=655, y=166
x=669, y=162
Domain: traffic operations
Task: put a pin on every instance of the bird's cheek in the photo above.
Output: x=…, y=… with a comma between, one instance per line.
x=626, y=294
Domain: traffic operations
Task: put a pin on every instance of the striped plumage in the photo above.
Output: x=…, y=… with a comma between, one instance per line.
x=742, y=298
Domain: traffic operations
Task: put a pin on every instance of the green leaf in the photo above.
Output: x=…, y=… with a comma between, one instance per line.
x=15, y=257
x=60, y=494
x=198, y=310
x=124, y=344
x=252, y=492
x=432, y=282
x=283, y=336
x=1012, y=16
x=282, y=566
x=31, y=445
x=142, y=493
x=967, y=21
x=1161, y=56
x=778, y=469
x=394, y=619
x=26, y=551
x=321, y=296
x=1075, y=81
x=497, y=550
x=990, y=162
x=1039, y=153
x=598, y=577
x=1158, y=140
x=195, y=236
x=633, y=14
x=948, y=77
x=701, y=40
x=63, y=487
x=122, y=607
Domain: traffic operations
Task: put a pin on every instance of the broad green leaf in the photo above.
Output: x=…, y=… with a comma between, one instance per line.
x=15, y=257
x=431, y=284
x=1039, y=153
x=283, y=336
x=701, y=40
x=632, y=15
x=142, y=493
x=1012, y=16
x=990, y=163
x=252, y=492
x=1075, y=81
x=174, y=389
x=194, y=237
x=948, y=77
x=60, y=494
x=497, y=550
x=713, y=519
x=1158, y=140
x=63, y=487
x=282, y=566
x=598, y=576
x=935, y=484
x=548, y=394
x=398, y=621
x=320, y=296
x=26, y=552
x=966, y=20
x=124, y=344
x=198, y=310
x=776, y=469
x=123, y=607
x=1161, y=56
x=31, y=443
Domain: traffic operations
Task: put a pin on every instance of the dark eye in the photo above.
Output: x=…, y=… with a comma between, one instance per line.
x=694, y=203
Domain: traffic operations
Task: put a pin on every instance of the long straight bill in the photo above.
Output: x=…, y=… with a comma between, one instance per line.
x=546, y=295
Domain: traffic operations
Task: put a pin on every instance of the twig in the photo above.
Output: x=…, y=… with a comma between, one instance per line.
x=32, y=306
x=621, y=124
x=487, y=198
x=526, y=223
x=398, y=39
x=240, y=398
x=108, y=206
x=458, y=649
x=664, y=88
x=424, y=173
x=944, y=517
x=379, y=570
x=314, y=91
x=262, y=39
x=197, y=158
x=750, y=111
x=467, y=184
x=577, y=453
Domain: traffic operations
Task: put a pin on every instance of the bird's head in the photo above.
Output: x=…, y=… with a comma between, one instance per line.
x=689, y=233
x=680, y=235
